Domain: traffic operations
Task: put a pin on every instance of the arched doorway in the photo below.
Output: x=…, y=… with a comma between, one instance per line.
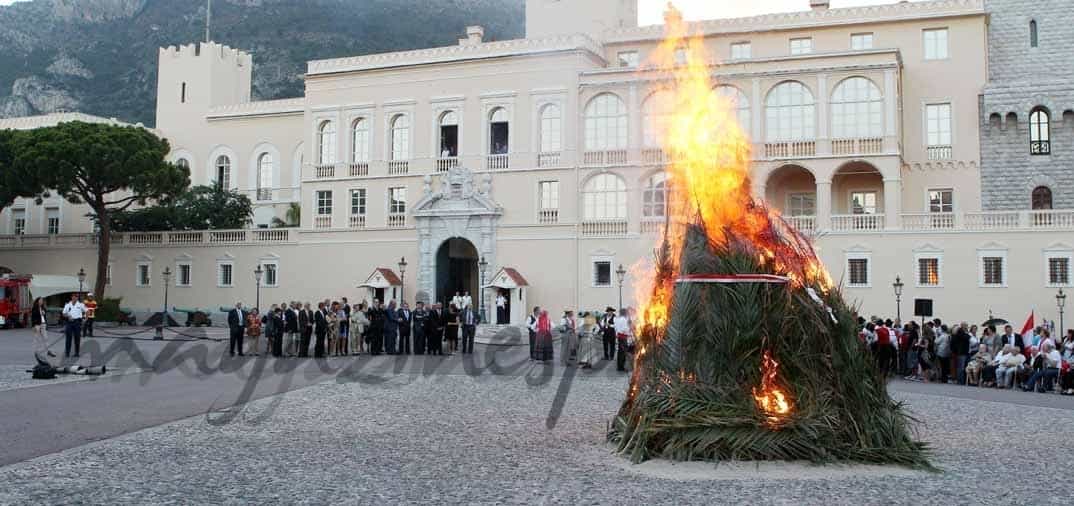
x=456, y=270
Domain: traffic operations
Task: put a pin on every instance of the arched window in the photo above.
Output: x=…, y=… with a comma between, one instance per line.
x=223, y=172
x=1042, y=198
x=551, y=129
x=449, y=134
x=1033, y=33
x=857, y=110
x=184, y=163
x=326, y=143
x=789, y=113
x=265, y=170
x=654, y=196
x=656, y=113
x=360, y=140
x=400, y=137
x=499, y=132
x=1039, y=132
x=605, y=123
x=740, y=102
x=605, y=198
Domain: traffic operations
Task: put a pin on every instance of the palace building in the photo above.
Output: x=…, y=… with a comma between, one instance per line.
x=533, y=166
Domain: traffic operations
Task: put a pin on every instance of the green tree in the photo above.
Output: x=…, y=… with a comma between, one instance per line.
x=109, y=168
x=200, y=208
x=14, y=180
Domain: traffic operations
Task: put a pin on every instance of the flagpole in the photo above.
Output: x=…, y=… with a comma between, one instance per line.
x=208, y=18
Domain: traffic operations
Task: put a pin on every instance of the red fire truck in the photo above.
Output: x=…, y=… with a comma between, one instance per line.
x=14, y=301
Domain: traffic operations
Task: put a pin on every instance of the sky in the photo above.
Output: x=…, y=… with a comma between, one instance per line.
x=650, y=12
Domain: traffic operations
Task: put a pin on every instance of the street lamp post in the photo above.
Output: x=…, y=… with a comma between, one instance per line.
x=1061, y=302
x=484, y=265
x=621, y=274
x=166, y=276
x=897, y=285
x=258, y=272
x=402, y=280
x=81, y=280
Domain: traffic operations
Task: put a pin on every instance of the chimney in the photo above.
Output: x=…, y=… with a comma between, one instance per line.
x=474, y=35
x=819, y=5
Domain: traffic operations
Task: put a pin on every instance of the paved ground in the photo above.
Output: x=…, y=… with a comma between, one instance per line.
x=489, y=429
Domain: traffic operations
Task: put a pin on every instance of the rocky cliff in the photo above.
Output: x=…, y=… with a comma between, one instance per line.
x=100, y=56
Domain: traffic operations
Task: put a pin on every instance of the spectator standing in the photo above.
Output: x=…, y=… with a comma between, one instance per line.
x=960, y=351
x=419, y=322
x=943, y=353
x=91, y=315
x=405, y=316
x=501, y=309
x=544, y=338
x=569, y=337
x=305, y=322
x=253, y=331
x=236, y=322
x=391, y=329
x=358, y=328
x=73, y=312
x=468, y=322
x=623, y=337
x=531, y=325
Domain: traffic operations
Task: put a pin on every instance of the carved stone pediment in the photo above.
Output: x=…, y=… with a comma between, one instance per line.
x=458, y=194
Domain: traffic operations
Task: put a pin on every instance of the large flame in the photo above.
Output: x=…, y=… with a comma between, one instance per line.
x=708, y=174
x=770, y=398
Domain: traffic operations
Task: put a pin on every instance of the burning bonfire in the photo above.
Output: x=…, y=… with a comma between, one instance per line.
x=745, y=350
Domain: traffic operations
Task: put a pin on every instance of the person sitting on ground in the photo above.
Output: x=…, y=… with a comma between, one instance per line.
x=977, y=364
x=1011, y=362
x=1049, y=360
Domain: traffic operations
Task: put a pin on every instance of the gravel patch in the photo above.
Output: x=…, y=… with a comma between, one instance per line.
x=455, y=439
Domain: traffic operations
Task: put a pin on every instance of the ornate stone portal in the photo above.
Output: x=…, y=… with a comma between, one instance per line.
x=458, y=208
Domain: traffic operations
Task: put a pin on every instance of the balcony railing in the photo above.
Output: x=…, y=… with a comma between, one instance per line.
x=498, y=162
x=398, y=167
x=857, y=222
x=604, y=228
x=358, y=169
x=264, y=194
x=804, y=224
x=357, y=221
x=653, y=156
x=548, y=216
x=396, y=221
x=1001, y=220
x=322, y=222
x=794, y=149
x=551, y=159
x=446, y=164
x=1051, y=219
x=928, y=221
x=863, y=146
x=607, y=157
x=653, y=226
x=152, y=239
x=939, y=152
x=324, y=171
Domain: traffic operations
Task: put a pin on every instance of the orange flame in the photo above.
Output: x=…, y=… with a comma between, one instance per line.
x=709, y=175
x=770, y=399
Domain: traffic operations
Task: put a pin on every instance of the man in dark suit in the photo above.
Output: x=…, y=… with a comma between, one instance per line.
x=404, y=316
x=469, y=327
x=290, y=327
x=391, y=328
x=278, y=325
x=607, y=333
x=376, y=328
x=418, y=321
x=320, y=329
x=1009, y=337
x=434, y=331
x=305, y=323
x=236, y=321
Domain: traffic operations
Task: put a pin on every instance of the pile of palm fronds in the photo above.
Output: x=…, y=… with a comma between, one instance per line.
x=691, y=394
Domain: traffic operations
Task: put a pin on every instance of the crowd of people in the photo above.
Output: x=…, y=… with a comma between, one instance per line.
x=579, y=340
x=971, y=355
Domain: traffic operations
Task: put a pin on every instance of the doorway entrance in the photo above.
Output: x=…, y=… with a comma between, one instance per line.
x=456, y=270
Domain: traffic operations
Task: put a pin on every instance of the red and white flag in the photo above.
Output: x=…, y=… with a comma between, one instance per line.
x=1027, y=333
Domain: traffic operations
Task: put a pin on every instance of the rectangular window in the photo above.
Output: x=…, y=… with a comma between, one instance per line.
x=992, y=271
x=858, y=271
x=942, y=201
x=1059, y=270
x=935, y=44
x=741, y=51
x=18, y=221
x=548, y=192
x=397, y=200
x=142, y=276
x=182, y=274
x=928, y=271
x=224, y=275
x=602, y=273
x=324, y=203
x=938, y=131
x=52, y=220
x=358, y=202
x=628, y=59
x=802, y=45
x=270, y=278
x=860, y=41
x=863, y=202
x=802, y=204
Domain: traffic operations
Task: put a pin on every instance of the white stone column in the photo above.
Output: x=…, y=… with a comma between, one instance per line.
x=756, y=117
x=824, y=144
x=892, y=203
x=891, y=113
x=634, y=133
x=824, y=205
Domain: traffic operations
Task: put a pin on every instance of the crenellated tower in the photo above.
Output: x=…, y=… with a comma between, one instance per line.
x=194, y=78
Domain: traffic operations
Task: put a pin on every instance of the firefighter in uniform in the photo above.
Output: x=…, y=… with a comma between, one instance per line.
x=91, y=313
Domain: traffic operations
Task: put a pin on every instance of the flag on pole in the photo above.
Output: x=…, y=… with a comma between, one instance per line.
x=1027, y=333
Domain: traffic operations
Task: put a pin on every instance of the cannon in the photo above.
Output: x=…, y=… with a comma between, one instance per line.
x=195, y=317
x=126, y=316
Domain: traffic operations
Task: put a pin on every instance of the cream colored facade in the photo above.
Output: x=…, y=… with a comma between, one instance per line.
x=864, y=127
